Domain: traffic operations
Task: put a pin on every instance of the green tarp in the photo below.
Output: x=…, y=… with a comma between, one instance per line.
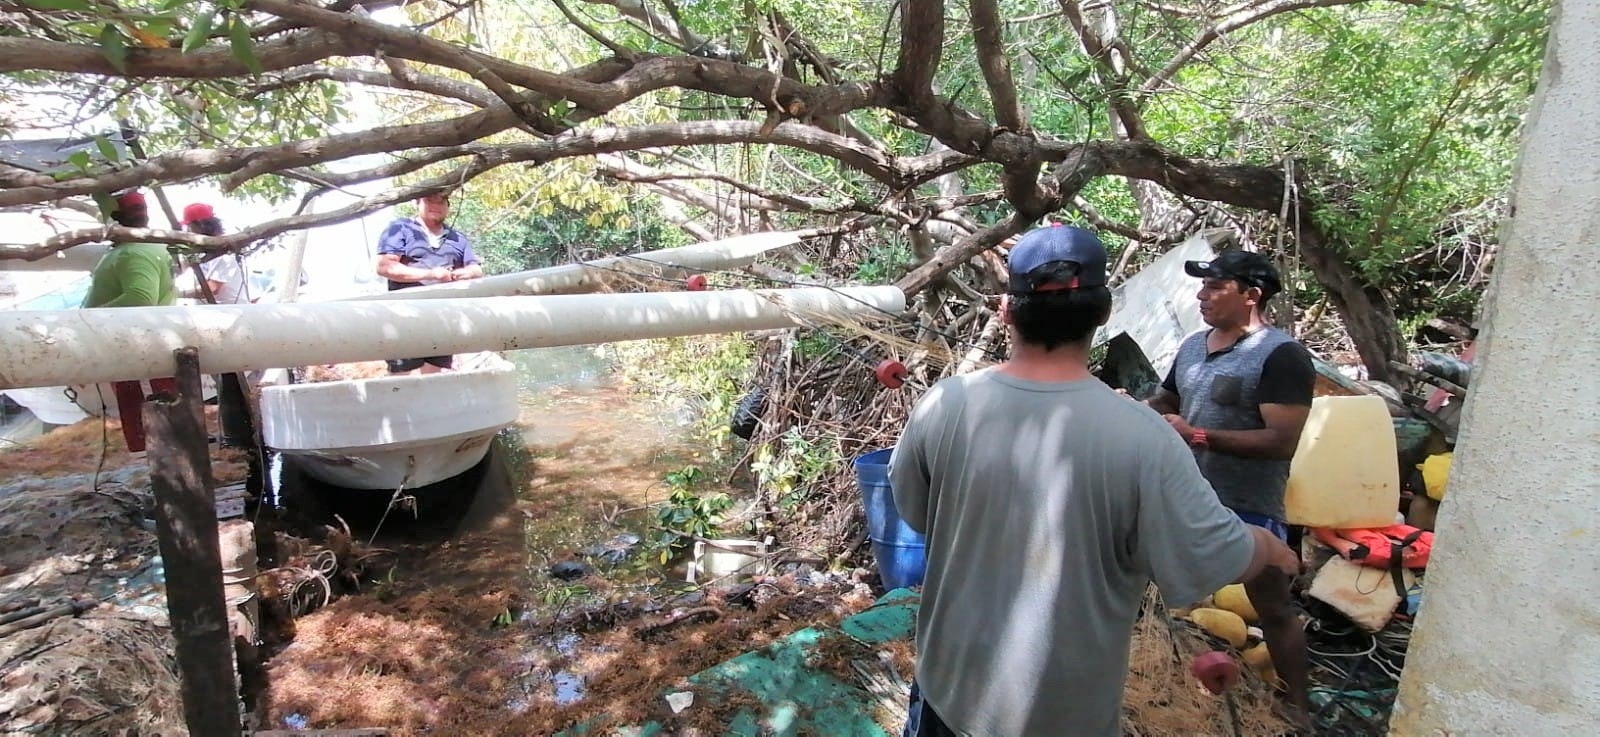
x=796, y=699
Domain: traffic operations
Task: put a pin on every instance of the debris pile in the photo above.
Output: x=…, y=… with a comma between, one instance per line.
x=65, y=538
x=357, y=662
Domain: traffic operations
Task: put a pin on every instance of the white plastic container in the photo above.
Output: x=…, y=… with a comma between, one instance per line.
x=718, y=558
x=1345, y=473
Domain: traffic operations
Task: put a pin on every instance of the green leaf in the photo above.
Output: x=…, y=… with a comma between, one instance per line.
x=58, y=4
x=239, y=38
x=105, y=203
x=158, y=26
x=107, y=151
x=115, y=47
x=199, y=32
x=79, y=159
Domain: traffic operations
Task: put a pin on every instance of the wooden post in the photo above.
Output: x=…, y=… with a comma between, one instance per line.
x=186, y=526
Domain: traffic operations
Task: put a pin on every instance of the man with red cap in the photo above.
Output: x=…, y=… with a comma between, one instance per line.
x=133, y=275
x=224, y=274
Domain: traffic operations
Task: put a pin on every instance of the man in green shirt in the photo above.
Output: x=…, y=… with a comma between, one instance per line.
x=133, y=275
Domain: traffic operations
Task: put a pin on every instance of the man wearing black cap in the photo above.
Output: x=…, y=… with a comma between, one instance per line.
x=1049, y=503
x=1238, y=395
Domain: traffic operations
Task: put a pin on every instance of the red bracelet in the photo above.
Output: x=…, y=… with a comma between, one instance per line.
x=1197, y=438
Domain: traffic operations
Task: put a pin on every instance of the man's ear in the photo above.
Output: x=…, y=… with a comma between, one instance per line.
x=1005, y=309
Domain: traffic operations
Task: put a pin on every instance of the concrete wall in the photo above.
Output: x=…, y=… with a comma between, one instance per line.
x=1508, y=642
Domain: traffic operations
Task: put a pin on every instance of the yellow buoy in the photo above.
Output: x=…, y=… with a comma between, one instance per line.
x=1224, y=625
x=1234, y=599
x=1435, y=474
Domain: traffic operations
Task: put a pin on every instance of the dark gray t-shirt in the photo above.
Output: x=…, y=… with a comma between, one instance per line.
x=1225, y=391
x=1048, y=508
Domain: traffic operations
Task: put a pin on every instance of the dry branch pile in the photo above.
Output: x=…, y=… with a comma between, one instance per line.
x=819, y=385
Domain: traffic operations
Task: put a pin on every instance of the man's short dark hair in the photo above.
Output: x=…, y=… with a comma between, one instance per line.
x=207, y=226
x=1051, y=319
x=130, y=217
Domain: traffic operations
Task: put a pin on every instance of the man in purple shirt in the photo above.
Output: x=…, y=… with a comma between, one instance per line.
x=423, y=250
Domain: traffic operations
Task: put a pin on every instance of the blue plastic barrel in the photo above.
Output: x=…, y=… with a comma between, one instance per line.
x=902, y=552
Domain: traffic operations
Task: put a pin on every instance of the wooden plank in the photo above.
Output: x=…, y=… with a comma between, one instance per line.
x=186, y=528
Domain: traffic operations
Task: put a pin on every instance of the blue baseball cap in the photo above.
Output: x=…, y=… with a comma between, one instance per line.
x=1056, y=257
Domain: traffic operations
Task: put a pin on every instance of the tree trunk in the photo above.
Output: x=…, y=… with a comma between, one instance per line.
x=1367, y=314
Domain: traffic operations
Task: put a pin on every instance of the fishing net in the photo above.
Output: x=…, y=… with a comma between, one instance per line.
x=1162, y=698
x=101, y=675
x=67, y=517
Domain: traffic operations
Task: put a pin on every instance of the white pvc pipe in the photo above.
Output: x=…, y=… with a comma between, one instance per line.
x=587, y=277
x=57, y=347
x=76, y=258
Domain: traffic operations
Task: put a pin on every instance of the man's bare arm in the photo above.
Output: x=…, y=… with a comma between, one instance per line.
x=1277, y=440
x=1163, y=401
x=1270, y=552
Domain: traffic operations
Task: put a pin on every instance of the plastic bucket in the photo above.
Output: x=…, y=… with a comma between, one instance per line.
x=901, y=551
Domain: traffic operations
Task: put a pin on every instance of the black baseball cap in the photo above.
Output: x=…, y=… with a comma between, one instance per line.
x=1059, y=256
x=1247, y=268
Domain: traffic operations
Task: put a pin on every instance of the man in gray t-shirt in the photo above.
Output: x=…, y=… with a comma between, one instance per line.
x=1049, y=502
x=1238, y=395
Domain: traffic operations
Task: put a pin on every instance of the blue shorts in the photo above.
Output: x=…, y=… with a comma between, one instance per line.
x=1274, y=526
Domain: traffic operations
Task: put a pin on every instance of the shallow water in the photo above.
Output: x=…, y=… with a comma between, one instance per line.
x=571, y=483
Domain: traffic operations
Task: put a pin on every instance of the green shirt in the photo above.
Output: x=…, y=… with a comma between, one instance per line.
x=132, y=275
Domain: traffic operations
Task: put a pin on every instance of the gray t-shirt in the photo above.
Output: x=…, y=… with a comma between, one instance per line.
x=1224, y=391
x=1048, y=507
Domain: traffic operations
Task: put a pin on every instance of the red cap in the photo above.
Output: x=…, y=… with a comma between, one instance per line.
x=130, y=199
x=197, y=211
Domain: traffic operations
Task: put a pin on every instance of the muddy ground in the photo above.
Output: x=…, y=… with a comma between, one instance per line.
x=470, y=633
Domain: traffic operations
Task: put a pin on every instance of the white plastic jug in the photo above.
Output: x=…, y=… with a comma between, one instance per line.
x=1345, y=472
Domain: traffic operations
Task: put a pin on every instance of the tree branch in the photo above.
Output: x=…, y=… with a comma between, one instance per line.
x=995, y=64
x=1113, y=71
x=428, y=83
x=921, y=44
x=206, y=62
x=247, y=163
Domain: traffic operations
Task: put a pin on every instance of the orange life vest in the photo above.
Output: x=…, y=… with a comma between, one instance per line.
x=1400, y=546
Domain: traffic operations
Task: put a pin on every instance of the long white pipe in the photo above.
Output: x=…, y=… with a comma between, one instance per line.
x=587, y=277
x=56, y=347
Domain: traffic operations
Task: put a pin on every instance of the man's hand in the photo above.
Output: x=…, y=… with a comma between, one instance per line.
x=1181, y=426
x=441, y=274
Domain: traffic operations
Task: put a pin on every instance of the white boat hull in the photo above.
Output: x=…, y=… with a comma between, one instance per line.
x=384, y=433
